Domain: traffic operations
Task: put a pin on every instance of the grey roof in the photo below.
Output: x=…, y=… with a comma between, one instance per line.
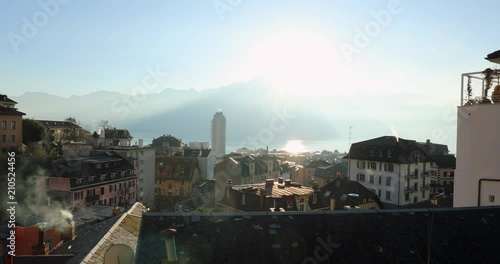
x=453, y=235
x=124, y=231
x=85, y=240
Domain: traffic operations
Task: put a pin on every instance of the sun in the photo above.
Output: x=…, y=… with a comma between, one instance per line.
x=295, y=146
x=297, y=62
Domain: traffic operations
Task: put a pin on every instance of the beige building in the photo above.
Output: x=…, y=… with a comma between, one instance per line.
x=11, y=129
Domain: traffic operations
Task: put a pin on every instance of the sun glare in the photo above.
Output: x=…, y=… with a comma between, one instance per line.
x=295, y=146
x=297, y=62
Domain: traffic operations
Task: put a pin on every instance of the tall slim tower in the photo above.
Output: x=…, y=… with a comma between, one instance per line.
x=219, y=134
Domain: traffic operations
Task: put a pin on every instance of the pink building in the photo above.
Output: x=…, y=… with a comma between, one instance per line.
x=107, y=179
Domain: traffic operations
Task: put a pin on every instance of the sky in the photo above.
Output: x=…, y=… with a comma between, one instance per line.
x=347, y=48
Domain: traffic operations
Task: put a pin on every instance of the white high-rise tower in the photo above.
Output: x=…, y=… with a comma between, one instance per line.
x=219, y=134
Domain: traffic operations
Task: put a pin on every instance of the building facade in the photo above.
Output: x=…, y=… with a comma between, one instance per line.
x=219, y=134
x=477, y=177
x=143, y=160
x=176, y=175
x=396, y=169
x=107, y=179
x=11, y=130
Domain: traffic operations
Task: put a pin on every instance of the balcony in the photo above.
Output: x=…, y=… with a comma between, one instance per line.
x=474, y=87
x=411, y=176
x=93, y=198
x=425, y=187
x=411, y=190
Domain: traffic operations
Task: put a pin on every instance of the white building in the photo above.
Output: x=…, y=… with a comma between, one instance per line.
x=206, y=162
x=477, y=176
x=396, y=169
x=219, y=134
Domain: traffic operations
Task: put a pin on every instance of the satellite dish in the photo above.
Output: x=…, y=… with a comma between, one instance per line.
x=119, y=254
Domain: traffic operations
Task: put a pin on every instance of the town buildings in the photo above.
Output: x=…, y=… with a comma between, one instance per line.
x=11, y=130
x=107, y=179
x=64, y=131
x=396, y=169
x=206, y=161
x=143, y=160
x=175, y=175
x=283, y=195
x=326, y=174
x=219, y=134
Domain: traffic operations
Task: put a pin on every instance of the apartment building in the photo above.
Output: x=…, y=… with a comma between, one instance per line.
x=11, y=130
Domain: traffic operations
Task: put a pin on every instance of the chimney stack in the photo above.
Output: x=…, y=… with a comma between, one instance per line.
x=315, y=186
x=262, y=195
x=169, y=235
x=288, y=182
x=41, y=248
x=280, y=180
x=68, y=230
x=269, y=186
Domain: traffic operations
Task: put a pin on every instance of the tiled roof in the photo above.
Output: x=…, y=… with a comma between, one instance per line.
x=317, y=163
x=124, y=231
x=10, y=111
x=454, y=235
x=278, y=190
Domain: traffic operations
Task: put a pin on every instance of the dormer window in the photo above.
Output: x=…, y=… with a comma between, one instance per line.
x=98, y=166
x=389, y=153
x=79, y=180
x=103, y=177
x=107, y=165
x=91, y=178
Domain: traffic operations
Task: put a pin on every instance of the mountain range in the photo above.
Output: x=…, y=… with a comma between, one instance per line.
x=257, y=115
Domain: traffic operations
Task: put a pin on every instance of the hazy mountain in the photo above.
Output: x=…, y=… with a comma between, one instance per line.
x=254, y=110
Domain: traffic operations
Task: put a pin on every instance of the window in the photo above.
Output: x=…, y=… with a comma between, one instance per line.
x=389, y=153
x=445, y=174
x=373, y=165
x=13, y=138
x=491, y=198
x=91, y=178
x=315, y=198
x=380, y=153
x=363, y=165
x=102, y=190
x=289, y=201
x=302, y=205
x=379, y=180
x=243, y=199
x=12, y=125
x=361, y=177
x=170, y=187
x=388, y=181
x=407, y=196
x=388, y=195
x=390, y=167
x=4, y=124
x=379, y=193
x=98, y=166
x=103, y=177
x=371, y=178
x=78, y=181
x=4, y=138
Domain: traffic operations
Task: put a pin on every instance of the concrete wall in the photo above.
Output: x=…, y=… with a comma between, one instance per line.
x=478, y=153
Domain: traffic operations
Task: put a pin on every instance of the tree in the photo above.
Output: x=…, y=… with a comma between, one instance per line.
x=171, y=140
x=75, y=132
x=33, y=131
x=105, y=124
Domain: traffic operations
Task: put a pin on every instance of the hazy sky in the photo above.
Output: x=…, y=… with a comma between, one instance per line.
x=307, y=48
x=78, y=47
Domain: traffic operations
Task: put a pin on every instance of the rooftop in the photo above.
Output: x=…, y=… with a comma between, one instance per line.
x=445, y=235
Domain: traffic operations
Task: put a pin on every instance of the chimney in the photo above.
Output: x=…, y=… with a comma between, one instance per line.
x=428, y=141
x=280, y=180
x=169, y=235
x=68, y=231
x=141, y=143
x=228, y=188
x=269, y=186
x=316, y=186
x=262, y=193
x=41, y=248
x=288, y=182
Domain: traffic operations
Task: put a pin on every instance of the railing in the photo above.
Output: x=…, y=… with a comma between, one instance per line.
x=410, y=190
x=473, y=87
